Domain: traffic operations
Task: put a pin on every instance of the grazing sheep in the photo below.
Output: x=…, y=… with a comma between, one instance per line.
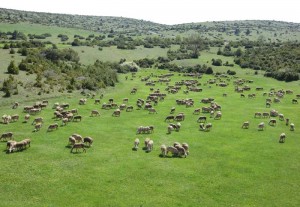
x=97, y=101
x=37, y=120
x=7, y=135
x=77, y=118
x=170, y=129
x=179, y=117
x=37, y=127
x=27, y=117
x=77, y=137
x=78, y=146
x=168, y=118
x=10, y=146
x=146, y=142
x=88, y=140
x=257, y=114
x=52, y=127
x=246, y=125
x=163, y=149
x=292, y=127
x=129, y=108
x=201, y=119
x=281, y=117
x=272, y=122
x=287, y=121
x=65, y=121
x=117, y=112
x=186, y=147
x=197, y=111
x=95, y=113
x=181, y=151
x=82, y=101
x=172, y=110
x=72, y=140
x=218, y=115
x=208, y=127
x=15, y=117
x=28, y=141
x=136, y=144
x=150, y=146
x=294, y=101
x=202, y=126
x=282, y=138
x=152, y=111
x=173, y=150
x=6, y=119
x=261, y=126
x=15, y=105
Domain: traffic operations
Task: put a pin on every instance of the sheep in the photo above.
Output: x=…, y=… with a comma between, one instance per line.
x=136, y=144
x=292, y=127
x=197, y=111
x=201, y=119
x=65, y=121
x=15, y=105
x=261, y=126
x=129, y=108
x=88, y=140
x=15, y=117
x=170, y=129
x=150, y=146
x=95, y=112
x=7, y=135
x=257, y=114
x=52, y=127
x=28, y=141
x=152, y=111
x=181, y=151
x=37, y=120
x=82, y=101
x=246, y=125
x=37, y=127
x=97, y=101
x=117, y=112
x=218, y=115
x=163, y=149
x=10, y=145
x=72, y=140
x=281, y=117
x=77, y=137
x=208, y=126
x=173, y=150
x=272, y=122
x=76, y=118
x=202, y=126
x=78, y=146
x=27, y=117
x=186, y=147
x=282, y=138
x=172, y=110
x=168, y=118
x=146, y=142
x=6, y=119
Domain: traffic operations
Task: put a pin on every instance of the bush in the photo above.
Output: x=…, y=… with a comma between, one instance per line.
x=12, y=68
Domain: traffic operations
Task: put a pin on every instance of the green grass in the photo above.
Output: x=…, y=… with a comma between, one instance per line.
x=227, y=166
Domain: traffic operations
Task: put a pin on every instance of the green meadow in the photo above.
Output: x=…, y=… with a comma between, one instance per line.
x=227, y=166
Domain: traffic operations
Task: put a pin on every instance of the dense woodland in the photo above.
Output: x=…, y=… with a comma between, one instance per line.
x=268, y=46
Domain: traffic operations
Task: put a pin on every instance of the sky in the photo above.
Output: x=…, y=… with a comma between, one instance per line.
x=168, y=11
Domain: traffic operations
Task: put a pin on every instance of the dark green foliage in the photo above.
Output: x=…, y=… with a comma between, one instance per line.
x=231, y=72
x=281, y=63
x=12, y=68
x=12, y=51
x=6, y=46
x=63, y=37
x=216, y=62
x=10, y=86
x=145, y=63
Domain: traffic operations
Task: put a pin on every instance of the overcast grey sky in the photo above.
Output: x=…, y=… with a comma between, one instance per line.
x=168, y=11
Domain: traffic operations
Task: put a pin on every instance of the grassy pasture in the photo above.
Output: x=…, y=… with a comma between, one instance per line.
x=227, y=166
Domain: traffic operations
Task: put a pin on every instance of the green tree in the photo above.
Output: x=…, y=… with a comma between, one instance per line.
x=12, y=68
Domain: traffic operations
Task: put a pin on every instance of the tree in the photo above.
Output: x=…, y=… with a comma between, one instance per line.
x=9, y=86
x=12, y=68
